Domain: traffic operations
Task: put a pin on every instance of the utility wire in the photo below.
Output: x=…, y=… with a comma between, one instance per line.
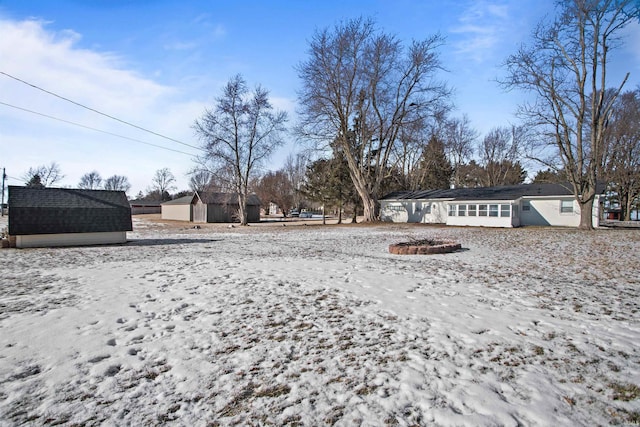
x=94, y=129
x=98, y=112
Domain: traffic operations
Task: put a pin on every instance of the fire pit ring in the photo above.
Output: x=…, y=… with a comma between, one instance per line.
x=424, y=247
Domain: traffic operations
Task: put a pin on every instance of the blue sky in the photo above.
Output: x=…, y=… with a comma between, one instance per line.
x=158, y=64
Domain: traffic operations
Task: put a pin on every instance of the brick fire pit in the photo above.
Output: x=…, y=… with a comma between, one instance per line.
x=424, y=247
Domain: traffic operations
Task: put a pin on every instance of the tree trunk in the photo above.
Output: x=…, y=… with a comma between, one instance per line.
x=628, y=208
x=586, y=212
x=623, y=198
x=370, y=208
x=242, y=209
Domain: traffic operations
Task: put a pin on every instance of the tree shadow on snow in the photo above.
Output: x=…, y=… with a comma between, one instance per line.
x=162, y=242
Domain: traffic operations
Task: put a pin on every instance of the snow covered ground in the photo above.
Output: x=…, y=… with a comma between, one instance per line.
x=320, y=325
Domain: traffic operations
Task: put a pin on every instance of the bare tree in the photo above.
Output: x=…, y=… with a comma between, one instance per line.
x=239, y=135
x=90, y=181
x=360, y=89
x=499, y=156
x=566, y=67
x=43, y=175
x=622, y=167
x=410, y=151
x=117, y=183
x=276, y=187
x=162, y=183
x=295, y=166
x=200, y=180
x=460, y=140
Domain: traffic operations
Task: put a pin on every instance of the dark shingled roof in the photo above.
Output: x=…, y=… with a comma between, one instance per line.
x=66, y=210
x=509, y=192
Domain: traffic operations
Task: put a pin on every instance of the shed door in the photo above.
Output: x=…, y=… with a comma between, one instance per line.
x=199, y=212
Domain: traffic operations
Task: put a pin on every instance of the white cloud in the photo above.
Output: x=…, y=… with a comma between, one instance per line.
x=219, y=31
x=180, y=45
x=53, y=61
x=631, y=39
x=481, y=28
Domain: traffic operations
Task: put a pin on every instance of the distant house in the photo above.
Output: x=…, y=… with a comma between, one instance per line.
x=42, y=217
x=508, y=206
x=210, y=207
x=145, y=207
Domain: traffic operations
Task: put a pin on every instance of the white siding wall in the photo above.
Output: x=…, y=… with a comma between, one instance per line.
x=394, y=211
x=176, y=212
x=420, y=211
x=484, y=221
x=546, y=211
x=70, y=239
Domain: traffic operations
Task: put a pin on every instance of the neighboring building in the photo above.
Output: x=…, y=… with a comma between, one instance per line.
x=43, y=217
x=508, y=206
x=180, y=209
x=210, y=207
x=145, y=207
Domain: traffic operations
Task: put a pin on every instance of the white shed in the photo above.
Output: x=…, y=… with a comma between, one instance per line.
x=179, y=209
x=42, y=217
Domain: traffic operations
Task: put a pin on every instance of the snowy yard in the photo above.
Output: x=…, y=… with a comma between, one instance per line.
x=272, y=325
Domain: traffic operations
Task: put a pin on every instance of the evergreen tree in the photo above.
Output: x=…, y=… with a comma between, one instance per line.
x=35, y=182
x=435, y=168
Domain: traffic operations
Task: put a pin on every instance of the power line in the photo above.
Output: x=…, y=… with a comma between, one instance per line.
x=94, y=129
x=98, y=112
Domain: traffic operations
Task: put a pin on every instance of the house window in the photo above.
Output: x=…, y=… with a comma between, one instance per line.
x=462, y=210
x=566, y=206
x=471, y=210
x=482, y=210
x=493, y=210
x=395, y=208
x=505, y=211
x=452, y=210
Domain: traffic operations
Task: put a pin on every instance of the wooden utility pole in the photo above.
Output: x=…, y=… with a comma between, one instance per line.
x=4, y=175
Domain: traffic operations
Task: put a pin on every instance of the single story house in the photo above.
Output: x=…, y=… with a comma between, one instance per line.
x=210, y=207
x=507, y=206
x=145, y=207
x=43, y=217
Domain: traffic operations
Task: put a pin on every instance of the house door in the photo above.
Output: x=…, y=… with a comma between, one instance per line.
x=199, y=212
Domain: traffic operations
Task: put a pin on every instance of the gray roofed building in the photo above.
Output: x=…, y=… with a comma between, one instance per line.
x=508, y=192
x=210, y=207
x=227, y=198
x=65, y=216
x=145, y=206
x=506, y=206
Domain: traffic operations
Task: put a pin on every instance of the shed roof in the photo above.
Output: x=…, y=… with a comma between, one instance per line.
x=145, y=203
x=184, y=200
x=67, y=210
x=509, y=192
x=216, y=198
